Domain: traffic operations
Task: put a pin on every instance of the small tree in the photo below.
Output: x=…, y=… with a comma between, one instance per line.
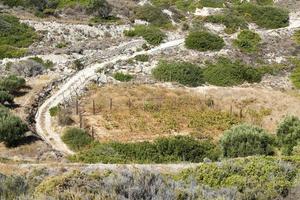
x=100, y=7
x=12, y=83
x=288, y=134
x=12, y=129
x=246, y=140
x=6, y=97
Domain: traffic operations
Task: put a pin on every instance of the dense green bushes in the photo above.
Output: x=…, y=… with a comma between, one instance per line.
x=260, y=178
x=12, y=129
x=14, y=36
x=246, y=140
x=288, y=134
x=142, y=58
x=153, y=15
x=76, y=139
x=264, y=16
x=204, y=41
x=231, y=21
x=181, y=72
x=14, y=33
x=12, y=83
x=163, y=150
x=123, y=77
x=6, y=97
x=152, y=35
x=100, y=7
x=296, y=37
x=222, y=73
x=247, y=41
x=295, y=75
x=229, y=73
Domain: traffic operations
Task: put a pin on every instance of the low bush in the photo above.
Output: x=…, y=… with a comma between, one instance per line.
x=47, y=64
x=296, y=37
x=7, y=51
x=295, y=75
x=142, y=58
x=204, y=41
x=288, y=133
x=54, y=111
x=100, y=8
x=123, y=77
x=153, y=15
x=247, y=41
x=76, y=139
x=264, y=16
x=181, y=72
x=6, y=97
x=152, y=35
x=246, y=140
x=231, y=21
x=212, y=3
x=261, y=178
x=12, y=83
x=183, y=5
x=12, y=129
x=14, y=33
x=163, y=150
x=228, y=73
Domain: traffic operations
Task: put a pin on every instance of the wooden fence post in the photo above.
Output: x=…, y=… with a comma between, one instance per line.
x=110, y=103
x=76, y=106
x=94, y=111
x=241, y=113
x=80, y=120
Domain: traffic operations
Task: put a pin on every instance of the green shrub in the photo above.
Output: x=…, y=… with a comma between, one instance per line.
x=212, y=3
x=123, y=77
x=264, y=16
x=101, y=7
x=181, y=72
x=296, y=37
x=295, y=75
x=152, y=35
x=14, y=33
x=7, y=51
x=54, y=111
x=260, y=178
x=6, y=97
x=246, y=140
x=231, y=21
x=204, y=41
x=247, y=41
x=163, y=150
x=47, y=64
x=76, y=139
x=142, y=58
x=12, y=83
x=12, y=129
x=229, y=73
x=153, y=15
x=288, y=133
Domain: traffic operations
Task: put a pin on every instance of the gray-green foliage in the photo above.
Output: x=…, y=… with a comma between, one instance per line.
x=182, y=72
x=288, y=134
x=246, y=140
x=12, y=129
x=204, y=41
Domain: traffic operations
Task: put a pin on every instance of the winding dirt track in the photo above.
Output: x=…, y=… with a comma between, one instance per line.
x=74, y=86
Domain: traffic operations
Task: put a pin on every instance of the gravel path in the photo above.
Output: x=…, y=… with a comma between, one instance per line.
x=74, y=86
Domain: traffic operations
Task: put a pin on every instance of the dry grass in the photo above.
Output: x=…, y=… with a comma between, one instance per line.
x=147, y=112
